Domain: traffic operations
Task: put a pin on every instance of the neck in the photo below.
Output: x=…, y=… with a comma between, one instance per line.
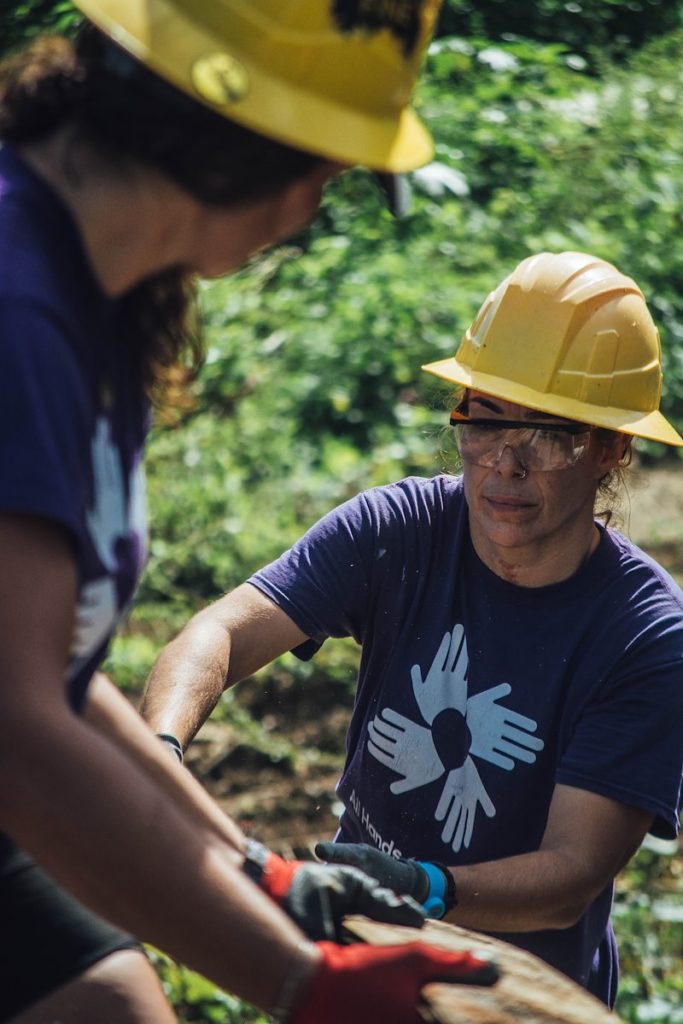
x=130, y=218
x=540, y=564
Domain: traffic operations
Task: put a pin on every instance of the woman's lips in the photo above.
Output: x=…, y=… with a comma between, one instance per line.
x=507, y=502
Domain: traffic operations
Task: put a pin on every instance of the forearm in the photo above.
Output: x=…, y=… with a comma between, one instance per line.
x=108, y=832
x=187, y=680
x=529, y=892
x=222, y=644
x=587, y=841
x=108, y=711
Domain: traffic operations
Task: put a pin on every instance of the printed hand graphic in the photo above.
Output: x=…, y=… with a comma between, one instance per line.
x=95, y=614
x=500, y=735
x=405, y=747
x=107, y=518
x=446, y=682
x=462, y=791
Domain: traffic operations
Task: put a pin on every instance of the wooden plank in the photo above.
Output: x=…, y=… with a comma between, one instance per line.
x=529, y=991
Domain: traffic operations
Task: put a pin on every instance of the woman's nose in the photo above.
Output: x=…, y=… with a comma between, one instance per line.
x=509, y=463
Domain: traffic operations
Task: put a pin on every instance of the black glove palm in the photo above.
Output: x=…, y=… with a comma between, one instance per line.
x=403, y=876
x=322, y=894
x=318, y=896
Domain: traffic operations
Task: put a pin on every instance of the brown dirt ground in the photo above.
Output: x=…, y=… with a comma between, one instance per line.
x=284, y=796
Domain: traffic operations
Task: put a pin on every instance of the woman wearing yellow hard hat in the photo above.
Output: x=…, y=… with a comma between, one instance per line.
x=173, y=137
x=517, y=727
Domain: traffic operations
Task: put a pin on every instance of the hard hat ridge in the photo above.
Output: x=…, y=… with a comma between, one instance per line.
x=570, y=335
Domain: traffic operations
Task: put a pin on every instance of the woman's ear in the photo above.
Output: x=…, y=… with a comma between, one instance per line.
x=614, y=449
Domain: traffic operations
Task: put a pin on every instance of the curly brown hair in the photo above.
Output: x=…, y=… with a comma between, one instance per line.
x=126, y=112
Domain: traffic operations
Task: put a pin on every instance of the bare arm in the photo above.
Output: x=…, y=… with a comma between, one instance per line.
x=587, y=841
x=100, y=824
x=108, y=711
x=220, y=645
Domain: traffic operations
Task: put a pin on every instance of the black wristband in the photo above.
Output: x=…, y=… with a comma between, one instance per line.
x=451, y=896
x=173, y=743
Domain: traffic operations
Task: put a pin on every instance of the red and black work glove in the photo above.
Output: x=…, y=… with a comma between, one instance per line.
x=318, y=896
x=381, y=984
x=429, y=883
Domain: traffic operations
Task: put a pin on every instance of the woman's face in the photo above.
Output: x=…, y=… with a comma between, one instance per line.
x=526, y=510
x=227, y=236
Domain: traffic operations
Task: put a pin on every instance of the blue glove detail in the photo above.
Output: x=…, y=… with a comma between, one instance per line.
x=435, y=904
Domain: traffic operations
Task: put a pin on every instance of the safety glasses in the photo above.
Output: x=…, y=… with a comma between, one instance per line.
x=538, y=446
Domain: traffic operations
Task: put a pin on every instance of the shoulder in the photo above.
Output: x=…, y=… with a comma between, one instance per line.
x=640, y=606
x=639, y=572
x=413, y=497
x=42, y=260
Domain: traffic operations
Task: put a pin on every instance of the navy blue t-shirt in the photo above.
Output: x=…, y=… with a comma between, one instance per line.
x=72, y=420
x=476, y=696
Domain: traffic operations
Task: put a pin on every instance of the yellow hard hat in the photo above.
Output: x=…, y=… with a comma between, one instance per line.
x=567, y=334
x=331, y=77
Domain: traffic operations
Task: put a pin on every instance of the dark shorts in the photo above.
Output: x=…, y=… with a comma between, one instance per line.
x=46, y=937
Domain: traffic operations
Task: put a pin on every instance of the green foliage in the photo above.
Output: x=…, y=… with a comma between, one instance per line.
x=587, y=26
x=558, y=125
x=196, y=1000
x=312, y=387
x=648, y=918
x=21, y=22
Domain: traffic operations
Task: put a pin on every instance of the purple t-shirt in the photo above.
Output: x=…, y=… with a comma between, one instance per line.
x=476, y=697
x=72, y=421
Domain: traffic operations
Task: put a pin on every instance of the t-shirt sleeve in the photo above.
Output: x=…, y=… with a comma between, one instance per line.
x=323, y=582
x=628, y=743
x=43, y=418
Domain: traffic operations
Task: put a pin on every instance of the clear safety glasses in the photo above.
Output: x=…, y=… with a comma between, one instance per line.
x=538, y=446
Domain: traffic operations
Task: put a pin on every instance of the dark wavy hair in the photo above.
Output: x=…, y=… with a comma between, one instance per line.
x=126, y=112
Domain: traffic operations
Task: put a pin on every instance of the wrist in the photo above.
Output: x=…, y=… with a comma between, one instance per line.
x=441, y=896
x=270, y=872
x=173, y=744
x=296, y=983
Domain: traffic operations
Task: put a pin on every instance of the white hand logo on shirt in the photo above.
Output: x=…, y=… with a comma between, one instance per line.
x=110, y=517
x=107, y=519
x=463, y=790
x=497, y=731
x=407, y=748
x=494, y=733
x=446, y=682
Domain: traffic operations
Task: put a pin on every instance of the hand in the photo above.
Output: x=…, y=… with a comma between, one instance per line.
x=404, y=877
x=462, y=792
x=500, y=735
x=405, y=747
x=318, y=896
x=445, y=685
x=381, y=984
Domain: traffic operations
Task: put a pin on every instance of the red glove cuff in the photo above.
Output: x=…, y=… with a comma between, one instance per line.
x=270, y=872
x=277, y=876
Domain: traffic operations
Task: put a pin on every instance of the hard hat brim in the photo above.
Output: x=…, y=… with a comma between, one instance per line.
x=171, y=44
x=652, y=426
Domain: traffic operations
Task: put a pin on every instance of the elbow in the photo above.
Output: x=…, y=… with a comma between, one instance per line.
x=568, y=914
x=571, y=907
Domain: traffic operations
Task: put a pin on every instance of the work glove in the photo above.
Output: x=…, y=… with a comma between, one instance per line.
x=318, y=896
x=431, y=884
x=381, y=984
